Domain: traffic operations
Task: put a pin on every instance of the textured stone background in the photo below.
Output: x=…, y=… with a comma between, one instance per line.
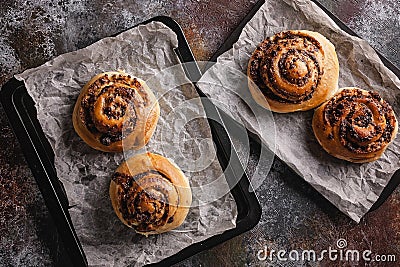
x=294, y=215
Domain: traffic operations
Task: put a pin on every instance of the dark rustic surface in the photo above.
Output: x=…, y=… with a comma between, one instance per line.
x=294, y=215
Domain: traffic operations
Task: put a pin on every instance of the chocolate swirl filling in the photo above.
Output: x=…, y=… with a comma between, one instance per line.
x=109, y=109
x=287, y=67
x=147, y=200
x=362, y=121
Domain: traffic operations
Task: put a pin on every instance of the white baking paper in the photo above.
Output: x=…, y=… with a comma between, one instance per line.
x=353, y=188
x=182, y=135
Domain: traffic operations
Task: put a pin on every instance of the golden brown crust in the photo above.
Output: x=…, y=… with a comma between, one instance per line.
x=115, y=111
x=293, y=71
x=150, y=194
x=355, y=125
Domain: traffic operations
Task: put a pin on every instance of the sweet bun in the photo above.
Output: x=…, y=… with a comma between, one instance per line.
x=115, y=111
x=355, y=125
x=293, y=71
x=150, y=194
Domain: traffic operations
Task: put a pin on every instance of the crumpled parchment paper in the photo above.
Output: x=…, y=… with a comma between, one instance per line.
x=353, y=188
x=182, y=135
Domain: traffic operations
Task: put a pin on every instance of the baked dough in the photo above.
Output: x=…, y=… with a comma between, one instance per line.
x=293, y=71
x=355, y=125
x=150, y=194
x=115, y=111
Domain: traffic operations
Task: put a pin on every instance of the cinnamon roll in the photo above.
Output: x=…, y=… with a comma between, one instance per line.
x=116, y=111
x=355, y=125
x=293, y=71
x=150, y=194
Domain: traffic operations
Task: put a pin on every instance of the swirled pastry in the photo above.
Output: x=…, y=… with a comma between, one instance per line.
x=355, y=125
x=293, y=71
x=115, y=111
x=150, y=194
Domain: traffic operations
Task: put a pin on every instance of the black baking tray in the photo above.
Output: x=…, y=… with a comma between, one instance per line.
x=234, y=36
x=22, y=115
